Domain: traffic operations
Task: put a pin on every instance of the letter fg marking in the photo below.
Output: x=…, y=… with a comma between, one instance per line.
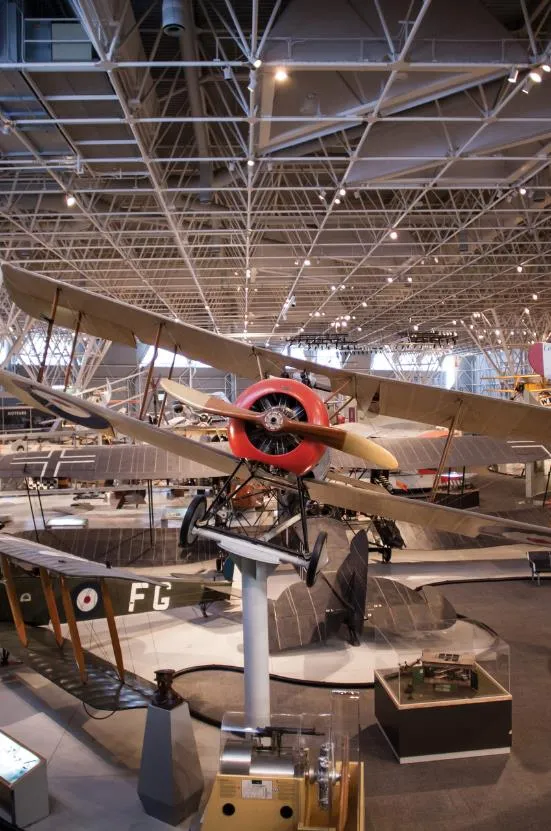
x=137, y=592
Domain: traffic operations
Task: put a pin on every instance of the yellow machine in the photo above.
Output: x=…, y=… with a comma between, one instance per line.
x=297, y=774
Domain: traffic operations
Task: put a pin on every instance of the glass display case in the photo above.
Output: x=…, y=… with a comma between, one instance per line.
x=444, y=693
x=23, y=782
x=299, y=771
x=461, y=662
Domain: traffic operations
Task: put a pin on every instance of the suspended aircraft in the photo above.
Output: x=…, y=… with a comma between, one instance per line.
x=278, y=427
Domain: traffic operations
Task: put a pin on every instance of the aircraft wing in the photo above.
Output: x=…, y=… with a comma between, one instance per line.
x=355, y=495
x=120, y=322
x=102, y=689
x=90, y=464
x=420, y=452
x=35, y=555
x=96, y=417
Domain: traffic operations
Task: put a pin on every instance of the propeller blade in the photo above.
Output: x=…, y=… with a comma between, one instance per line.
x=344, y=440
x=198, y=400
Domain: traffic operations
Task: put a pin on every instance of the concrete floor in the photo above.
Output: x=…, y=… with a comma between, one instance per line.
x=93, y=764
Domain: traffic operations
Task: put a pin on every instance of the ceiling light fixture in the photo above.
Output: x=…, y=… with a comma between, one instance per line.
x=436, y=259
x=416, y=328
x=393, y=235
x=281, y=75
x=534, y=296
x=342, y=192
x=307, y=262
x=257, y=63
x=250, y=162
x=337, y=201
x=316, y=314
x=410, y=279
x=333, y=288
x=364, y=304
x=519, y=269
x=389, y=279
x=527, y=86
x=70, y=200
x=522, y=191
x=546, y=67
x=535, y=76
x=513, y=75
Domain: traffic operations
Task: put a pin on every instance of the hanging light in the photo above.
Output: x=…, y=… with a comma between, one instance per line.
x=535, y=76
x=70, y=200
x=281, y=75
x=513, y=75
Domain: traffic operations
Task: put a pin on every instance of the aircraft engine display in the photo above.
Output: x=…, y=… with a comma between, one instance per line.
x=274, y=399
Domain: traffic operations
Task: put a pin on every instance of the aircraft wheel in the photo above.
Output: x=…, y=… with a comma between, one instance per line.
x=316, y=560
x=196, y=511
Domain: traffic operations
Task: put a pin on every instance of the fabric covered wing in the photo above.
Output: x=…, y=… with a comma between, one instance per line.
x=121, y=322
x=35, y=555
x=101, y=418
x=376, y=501
x=417, y=452
x=91, y=464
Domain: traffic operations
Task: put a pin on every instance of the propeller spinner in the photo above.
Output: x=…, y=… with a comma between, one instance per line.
x=283, y=422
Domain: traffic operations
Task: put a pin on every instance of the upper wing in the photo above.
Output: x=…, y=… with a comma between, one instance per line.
x=111, y=319
x=28, y=553
x=356, y=495
x=101, y=418
x=420, y=452
x=90, y=464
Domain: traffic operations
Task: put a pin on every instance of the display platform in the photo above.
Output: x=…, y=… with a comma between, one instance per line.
x=445, y=703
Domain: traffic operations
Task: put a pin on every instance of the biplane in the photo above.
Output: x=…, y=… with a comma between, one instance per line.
x=43, y=587
x=278, y=428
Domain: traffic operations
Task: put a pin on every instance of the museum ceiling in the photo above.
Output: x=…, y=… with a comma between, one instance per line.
x=397, y=177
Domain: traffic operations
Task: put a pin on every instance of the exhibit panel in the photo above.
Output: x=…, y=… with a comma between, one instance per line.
x=445, y=701
x=23, y=783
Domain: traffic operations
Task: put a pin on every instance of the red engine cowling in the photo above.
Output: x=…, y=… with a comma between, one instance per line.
x=295, y=400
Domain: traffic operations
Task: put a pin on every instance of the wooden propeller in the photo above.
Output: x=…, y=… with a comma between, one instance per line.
x=274, y=421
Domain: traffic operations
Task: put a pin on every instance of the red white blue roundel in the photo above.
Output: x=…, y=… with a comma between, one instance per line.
x=86, y=600
x=66, y=408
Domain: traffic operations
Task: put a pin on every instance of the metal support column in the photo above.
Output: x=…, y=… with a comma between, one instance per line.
x=255, y=642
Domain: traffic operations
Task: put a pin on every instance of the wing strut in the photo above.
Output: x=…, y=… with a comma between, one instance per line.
x=51, y=321
x=110, y=615
x=150, y=371
x=13, y=600
x=445, y=453
x=163, y=402
x=49, y=597
x=72, y=355
x=73, y=629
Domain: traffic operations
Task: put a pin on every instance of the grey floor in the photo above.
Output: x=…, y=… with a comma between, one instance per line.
x=486, y=793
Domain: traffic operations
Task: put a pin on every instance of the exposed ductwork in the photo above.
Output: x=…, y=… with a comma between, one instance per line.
x=173, y=17
x=178, y=20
